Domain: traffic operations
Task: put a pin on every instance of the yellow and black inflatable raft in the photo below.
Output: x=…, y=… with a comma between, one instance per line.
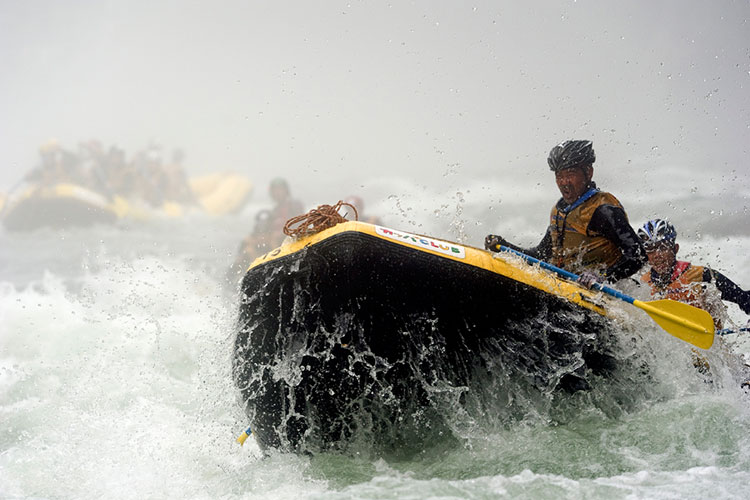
x=361, y=332
x=68, y=205
x=60, y=205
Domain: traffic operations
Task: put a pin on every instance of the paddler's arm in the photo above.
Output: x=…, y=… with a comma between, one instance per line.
x=728, y=289
x=612, y=223
x=542, y=251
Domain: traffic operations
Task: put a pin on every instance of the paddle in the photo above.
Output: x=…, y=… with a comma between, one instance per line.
x=244, y=436
x=730, y=331
x=694, y=326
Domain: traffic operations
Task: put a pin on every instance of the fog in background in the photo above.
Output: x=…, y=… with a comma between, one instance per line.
x=403, y=100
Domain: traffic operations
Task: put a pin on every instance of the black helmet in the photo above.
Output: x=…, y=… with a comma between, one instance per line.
x=571, y=154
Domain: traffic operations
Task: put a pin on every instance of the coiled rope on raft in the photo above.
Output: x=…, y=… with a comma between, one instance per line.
x=317, y=219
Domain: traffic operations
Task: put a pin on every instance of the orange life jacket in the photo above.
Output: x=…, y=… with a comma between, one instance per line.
x=574, y=246
x=686, y=285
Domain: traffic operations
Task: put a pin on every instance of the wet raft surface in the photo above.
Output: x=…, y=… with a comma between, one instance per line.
x=356, y=338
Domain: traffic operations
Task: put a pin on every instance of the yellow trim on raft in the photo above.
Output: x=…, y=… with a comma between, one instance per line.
x=74, y=192
x=504, y=264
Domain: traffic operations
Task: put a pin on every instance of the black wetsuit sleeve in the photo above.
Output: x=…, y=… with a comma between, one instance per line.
x=611, y=222
x=728, y=289
x=543, y=251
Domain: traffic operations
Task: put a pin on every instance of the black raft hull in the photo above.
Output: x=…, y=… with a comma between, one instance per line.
x=361, y=333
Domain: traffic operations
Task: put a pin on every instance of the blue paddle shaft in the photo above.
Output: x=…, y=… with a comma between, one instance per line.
x=568, y=274
x=730, y=331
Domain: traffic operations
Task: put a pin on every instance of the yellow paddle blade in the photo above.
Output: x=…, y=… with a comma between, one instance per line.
x=683, y=321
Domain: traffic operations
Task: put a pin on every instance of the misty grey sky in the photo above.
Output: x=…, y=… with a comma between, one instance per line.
x=337, y=89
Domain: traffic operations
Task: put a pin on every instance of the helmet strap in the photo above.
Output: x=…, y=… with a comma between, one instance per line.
x=589, y=172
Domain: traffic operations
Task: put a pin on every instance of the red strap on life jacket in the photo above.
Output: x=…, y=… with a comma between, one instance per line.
x=680, y=267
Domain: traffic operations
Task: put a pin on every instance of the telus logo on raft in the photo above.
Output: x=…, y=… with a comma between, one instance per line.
x=423, y=242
